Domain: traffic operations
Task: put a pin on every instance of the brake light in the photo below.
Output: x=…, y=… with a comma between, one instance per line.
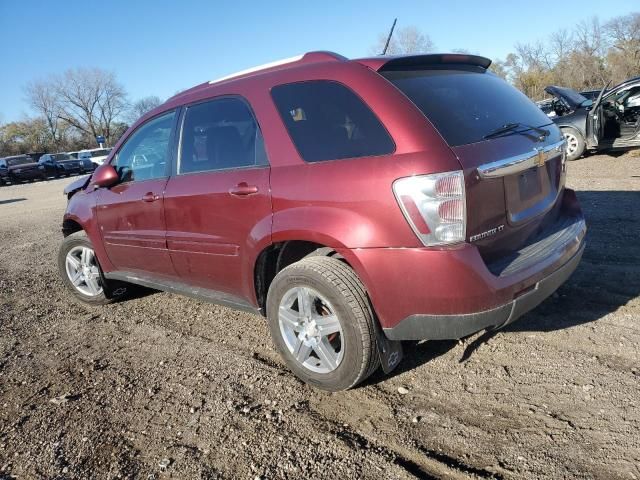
x=435, y=206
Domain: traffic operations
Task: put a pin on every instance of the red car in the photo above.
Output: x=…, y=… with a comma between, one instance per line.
x=354, y=203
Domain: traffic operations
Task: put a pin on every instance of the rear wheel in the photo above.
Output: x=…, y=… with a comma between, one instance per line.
x=321, y=323
x=575, y=143
x=81, y=272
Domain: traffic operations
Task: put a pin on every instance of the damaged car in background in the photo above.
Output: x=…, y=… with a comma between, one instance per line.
x=610, y=122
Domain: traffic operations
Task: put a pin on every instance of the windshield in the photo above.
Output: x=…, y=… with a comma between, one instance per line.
x=12, y=162
x=63, y=156
x=466, y=105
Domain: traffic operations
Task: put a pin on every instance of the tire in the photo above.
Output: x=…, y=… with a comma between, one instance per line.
x=575, y=143
x=108, y=291
x=336, y=292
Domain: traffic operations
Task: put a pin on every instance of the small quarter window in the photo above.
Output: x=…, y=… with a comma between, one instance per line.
x=219, y=135
x=327, y=121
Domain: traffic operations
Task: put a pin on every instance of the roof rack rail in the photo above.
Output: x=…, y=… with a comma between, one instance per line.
x=310, y=57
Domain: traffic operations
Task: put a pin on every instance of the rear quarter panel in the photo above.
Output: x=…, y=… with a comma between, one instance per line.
x=348, y=202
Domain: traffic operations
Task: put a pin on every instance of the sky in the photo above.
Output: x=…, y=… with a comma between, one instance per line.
x=158, y=47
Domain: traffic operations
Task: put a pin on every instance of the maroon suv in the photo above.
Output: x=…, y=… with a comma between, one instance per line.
x=354, y=203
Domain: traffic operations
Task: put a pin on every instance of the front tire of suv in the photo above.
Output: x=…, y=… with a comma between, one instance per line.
x=81, y=272
x=575, y=143
x=321, y=323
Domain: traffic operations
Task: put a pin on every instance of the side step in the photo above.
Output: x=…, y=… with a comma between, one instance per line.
x=621, y=143
x=172, y=286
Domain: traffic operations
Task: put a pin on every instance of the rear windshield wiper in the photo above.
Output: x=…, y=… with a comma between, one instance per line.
x=511, y=128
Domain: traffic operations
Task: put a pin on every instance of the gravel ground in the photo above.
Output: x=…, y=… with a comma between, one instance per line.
x=163, y=386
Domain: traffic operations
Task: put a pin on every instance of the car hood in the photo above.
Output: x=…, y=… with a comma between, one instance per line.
x=78, y=184
x=570, y=96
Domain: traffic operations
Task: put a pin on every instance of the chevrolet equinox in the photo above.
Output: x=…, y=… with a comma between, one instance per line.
x=354, y=203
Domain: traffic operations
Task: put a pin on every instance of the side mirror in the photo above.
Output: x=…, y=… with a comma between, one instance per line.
x=104, y=176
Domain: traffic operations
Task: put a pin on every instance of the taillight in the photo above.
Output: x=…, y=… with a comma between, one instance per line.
x=435, y=206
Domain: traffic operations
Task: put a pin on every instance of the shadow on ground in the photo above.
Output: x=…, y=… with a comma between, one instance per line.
x=606, y=279
x=12, y=200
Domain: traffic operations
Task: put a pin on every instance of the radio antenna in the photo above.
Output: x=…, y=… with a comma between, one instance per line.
x=386, y=45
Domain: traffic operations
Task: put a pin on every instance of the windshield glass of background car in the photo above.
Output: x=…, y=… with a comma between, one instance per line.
x=466, y=105
x=19, y=161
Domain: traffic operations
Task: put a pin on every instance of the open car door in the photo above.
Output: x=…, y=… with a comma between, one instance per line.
x=595, y=120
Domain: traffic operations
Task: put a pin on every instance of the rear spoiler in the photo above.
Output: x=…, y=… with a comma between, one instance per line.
x=407, y=62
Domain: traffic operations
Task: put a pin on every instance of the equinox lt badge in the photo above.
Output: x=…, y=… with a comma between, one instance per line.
x=486, y=234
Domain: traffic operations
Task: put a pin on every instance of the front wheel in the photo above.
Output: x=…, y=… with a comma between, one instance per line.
x=321, y=323
x=575, y=143
x=81, y=273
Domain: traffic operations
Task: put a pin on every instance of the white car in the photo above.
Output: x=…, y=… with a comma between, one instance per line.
x=96, y=155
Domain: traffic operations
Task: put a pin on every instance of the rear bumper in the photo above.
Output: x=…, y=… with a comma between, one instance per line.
x=443, y=327
x=449, y=293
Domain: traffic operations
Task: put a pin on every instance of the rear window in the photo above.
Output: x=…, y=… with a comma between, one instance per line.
x=465, y=105
x=327, y=121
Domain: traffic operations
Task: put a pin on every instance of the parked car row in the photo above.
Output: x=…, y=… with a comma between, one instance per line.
x=608, y=119
x=38, y=166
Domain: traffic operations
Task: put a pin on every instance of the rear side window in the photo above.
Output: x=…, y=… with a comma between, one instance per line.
x=220, y=135
x=327, y=121
x=465, y=105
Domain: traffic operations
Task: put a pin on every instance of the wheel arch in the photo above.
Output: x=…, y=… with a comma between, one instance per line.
x=72, y=223
x=278, y=255
x=70, y=226
x=568, y=126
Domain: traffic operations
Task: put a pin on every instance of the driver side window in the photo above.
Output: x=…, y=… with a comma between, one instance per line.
x=145, y=154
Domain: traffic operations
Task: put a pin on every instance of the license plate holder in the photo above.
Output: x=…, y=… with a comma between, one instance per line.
x=529, y=184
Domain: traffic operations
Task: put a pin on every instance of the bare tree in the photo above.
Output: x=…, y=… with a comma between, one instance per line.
x=561, y=43
x=142, y=106
x=590, y=38
x=405, y=40
x=42, y=97
x=624, y=57
x=90, y=100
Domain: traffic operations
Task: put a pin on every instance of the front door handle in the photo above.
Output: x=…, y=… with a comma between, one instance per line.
x=150, y=197
x=243, y=189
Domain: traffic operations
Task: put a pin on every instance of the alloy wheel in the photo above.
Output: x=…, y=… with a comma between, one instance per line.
x=572, y=142
x=83, y=271
x=311, y=329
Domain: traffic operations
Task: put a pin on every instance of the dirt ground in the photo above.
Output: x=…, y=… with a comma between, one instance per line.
x=163, y=386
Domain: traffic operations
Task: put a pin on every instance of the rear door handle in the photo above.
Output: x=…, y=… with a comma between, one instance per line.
x=243, y=189
x=150, y=197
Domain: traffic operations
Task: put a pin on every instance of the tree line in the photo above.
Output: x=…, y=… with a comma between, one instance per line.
x=583, y=57
x=80, y=104
x=72, y=109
